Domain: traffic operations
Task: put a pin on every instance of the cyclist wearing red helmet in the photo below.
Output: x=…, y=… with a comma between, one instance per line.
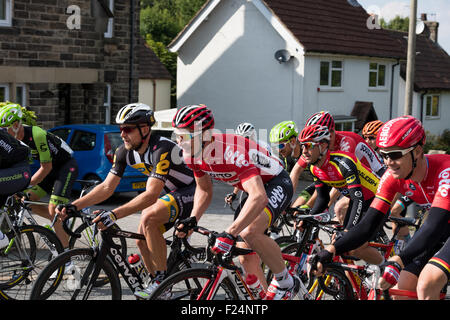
x=425, y=180
x=244, y=164
x=343, y=171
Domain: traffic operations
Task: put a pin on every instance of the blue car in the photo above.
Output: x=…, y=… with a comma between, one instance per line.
x=94, y=146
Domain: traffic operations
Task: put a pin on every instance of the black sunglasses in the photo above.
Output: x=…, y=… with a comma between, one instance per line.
x=395, y=154
x=129, y=129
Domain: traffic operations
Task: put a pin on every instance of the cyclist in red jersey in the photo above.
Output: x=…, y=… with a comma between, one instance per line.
x=343, y=171
x=246, y=165
x=424, y=264
x=344, y=141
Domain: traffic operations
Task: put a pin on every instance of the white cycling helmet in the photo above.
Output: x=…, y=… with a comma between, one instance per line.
x=135, y=113
x=246, y=130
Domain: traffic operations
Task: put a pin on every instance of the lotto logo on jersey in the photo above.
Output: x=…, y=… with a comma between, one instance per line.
x=237, y=158
x=444, y=182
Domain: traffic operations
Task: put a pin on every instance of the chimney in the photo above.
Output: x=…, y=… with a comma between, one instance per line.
x=431, y=27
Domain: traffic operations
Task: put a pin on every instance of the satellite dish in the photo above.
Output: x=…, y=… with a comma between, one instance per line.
x=282, y=56
x=420, y=27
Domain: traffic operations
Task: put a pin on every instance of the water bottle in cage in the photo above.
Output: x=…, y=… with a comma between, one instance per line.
x=137, y=264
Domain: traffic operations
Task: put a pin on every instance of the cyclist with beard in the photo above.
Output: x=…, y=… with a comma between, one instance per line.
x=160, y=159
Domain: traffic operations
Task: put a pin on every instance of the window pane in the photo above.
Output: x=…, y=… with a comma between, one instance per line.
x=324, y=72
x=83, y=141
x=336, y=78
x=2, y=9
x=19, y=96
x=435, y=109
x=2, y=94
x=337, y=64
x=381, y=74
x=374, y=66
x=428, y=108
x=372, y=79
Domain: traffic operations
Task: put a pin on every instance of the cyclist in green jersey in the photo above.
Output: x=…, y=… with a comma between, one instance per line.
x=58, y=169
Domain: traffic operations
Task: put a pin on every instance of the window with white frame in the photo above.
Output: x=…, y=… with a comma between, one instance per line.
x=331, y=73
x=107, y=103
x=5, y=13
x=21, y=94
x=432, y=106
x=377, y=75
x=110, y=28
x=4, y=92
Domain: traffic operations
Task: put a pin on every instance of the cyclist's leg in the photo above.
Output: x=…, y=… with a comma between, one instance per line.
x=65, y=176
x=435, y=274
x=14, y=179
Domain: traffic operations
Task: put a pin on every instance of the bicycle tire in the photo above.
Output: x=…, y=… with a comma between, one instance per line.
x=56, y=284
x=338, y=286
x=40, y=245
x=86, y=242
x=188, y=284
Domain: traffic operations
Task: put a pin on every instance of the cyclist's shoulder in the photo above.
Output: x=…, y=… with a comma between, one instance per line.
x=340, y=157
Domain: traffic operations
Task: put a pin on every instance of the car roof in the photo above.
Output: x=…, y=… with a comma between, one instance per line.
x=91, y=127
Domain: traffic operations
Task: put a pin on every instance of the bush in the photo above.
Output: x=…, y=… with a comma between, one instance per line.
x=435, y=142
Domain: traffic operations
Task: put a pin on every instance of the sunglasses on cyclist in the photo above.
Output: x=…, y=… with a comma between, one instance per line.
x=128, y=129
x=186, y=136
x=309, y=144
x=395, y=154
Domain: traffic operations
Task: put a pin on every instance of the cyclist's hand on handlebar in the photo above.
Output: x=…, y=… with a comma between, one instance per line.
x=224, y=243
x=320, y=260
x=184, y=227
x=105, y=219
x=229, y=198
x=63, y=210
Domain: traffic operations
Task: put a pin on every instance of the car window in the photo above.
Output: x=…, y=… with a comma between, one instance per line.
x=63, y=133
x=83, y=141
x=115, y=140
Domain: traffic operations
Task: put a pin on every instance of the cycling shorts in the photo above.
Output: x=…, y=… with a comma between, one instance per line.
x=58, y=183
x=442, y=259
x=279, y=193
x=179, y=204
x=418, y=263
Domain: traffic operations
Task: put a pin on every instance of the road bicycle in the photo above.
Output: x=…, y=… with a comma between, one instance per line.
x=94, y=272
x=30, y=249
x=352, y=282
x=221, y=280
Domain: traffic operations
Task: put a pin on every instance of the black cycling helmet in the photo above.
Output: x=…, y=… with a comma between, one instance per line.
x=135, y=113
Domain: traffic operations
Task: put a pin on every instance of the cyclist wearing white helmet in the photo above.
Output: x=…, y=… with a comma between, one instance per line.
x=160, y=159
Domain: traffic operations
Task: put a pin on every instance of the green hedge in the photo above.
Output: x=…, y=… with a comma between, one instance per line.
x=436, y=142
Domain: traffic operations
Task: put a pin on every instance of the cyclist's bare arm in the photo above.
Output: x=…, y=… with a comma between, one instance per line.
x=41, y=173
x=142, y=201
x=255, y=204
x=295, y=175
x=100, y=193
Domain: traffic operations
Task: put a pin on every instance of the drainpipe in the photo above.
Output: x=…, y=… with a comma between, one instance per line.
x=421, y=105
x=392, y=88
x=154, y=94
x=130, y=83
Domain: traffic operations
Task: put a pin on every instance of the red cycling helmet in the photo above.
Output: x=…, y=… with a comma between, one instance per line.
x=403, y=132
x=315, y=133
x=188, y=117
x=324, y=118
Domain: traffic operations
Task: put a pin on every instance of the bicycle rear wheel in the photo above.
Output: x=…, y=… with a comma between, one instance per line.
x=335, y=285
x=67, y=278
x=30, y=250
x=189, y=284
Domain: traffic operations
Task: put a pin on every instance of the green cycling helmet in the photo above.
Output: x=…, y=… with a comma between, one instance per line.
x=283, y=132
x=9, y=114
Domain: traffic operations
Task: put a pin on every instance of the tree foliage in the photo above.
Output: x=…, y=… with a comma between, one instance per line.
x=161, y=21
x=398, y=23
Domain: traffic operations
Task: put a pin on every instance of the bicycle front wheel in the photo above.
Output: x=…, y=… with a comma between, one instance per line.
x=67, y=278
x=29, y=251
x=194, y=284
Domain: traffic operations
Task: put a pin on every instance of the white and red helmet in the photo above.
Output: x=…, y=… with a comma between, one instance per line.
x=314, y=133
x=188, y=117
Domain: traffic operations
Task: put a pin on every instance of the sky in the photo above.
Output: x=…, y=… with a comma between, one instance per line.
x=438, y=10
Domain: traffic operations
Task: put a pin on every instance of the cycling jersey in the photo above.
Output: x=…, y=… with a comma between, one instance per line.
x=45, y=146
x=12, y=151
x=344, y=171
x=432, y=191
x=233, y=159
x=162, y=160
x=353, y=143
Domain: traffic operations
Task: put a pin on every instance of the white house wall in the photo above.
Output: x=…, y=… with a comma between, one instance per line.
x=229, y=65
x=147, y=90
